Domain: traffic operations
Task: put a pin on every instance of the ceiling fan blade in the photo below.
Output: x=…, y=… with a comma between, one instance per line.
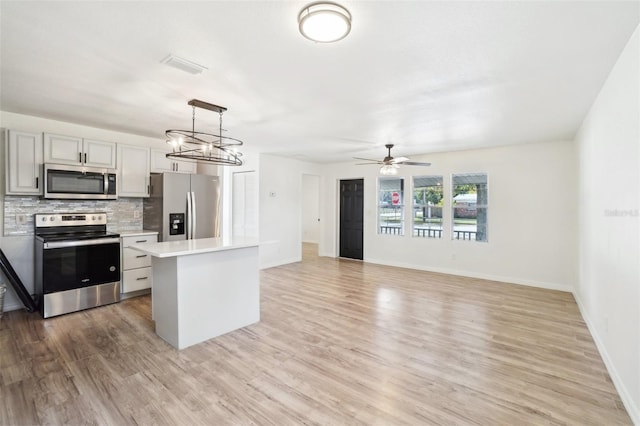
x=415, y=163
x=366, y=164
x=366, y=159
x=399, y=160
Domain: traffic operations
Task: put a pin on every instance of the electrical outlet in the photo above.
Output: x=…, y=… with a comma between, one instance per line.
x=136, y=214
x=21, y=219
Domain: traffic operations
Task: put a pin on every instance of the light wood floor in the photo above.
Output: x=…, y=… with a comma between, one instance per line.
x=340, y=342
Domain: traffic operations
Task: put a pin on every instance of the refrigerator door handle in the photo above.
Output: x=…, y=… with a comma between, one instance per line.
x=189, y=214
x=194, y=216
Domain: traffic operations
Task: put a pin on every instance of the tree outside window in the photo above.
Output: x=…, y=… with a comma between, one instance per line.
x=470, y=202
x=427, y=206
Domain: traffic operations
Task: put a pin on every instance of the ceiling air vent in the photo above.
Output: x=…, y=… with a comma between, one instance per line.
x=183, y=64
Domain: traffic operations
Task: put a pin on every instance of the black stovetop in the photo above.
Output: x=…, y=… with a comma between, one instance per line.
x=75, y=236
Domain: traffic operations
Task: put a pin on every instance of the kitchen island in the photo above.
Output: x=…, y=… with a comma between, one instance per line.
x=203, y=288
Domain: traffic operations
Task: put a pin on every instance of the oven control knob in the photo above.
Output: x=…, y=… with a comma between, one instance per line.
x=44, y=219
x=52, y=218
x=93, y=218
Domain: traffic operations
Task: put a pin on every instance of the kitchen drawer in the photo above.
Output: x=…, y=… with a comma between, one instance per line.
x=132, y=259
x=139, y=239
x=136, y=279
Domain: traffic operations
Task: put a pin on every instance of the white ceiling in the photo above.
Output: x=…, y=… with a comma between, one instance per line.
x=426, y=75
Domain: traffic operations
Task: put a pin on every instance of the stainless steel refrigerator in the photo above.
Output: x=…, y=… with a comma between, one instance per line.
x=182, y=206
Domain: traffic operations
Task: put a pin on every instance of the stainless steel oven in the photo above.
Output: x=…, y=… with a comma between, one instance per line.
x=77, y=262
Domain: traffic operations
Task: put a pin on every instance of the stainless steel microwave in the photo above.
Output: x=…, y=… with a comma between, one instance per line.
x=62, y=181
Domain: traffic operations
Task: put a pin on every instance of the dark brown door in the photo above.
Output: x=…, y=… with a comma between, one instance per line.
x=351, y=218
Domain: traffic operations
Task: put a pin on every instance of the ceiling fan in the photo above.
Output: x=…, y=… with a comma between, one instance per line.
x=390, y=165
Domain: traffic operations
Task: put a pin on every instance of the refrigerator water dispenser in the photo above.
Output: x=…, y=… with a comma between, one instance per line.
x=176, y=223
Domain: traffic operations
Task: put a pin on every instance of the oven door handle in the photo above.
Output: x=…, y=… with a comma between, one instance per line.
x=63, y=244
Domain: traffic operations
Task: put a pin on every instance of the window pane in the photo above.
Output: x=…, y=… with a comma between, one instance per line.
x=427, y=206
x=470, y=203
x=391, y=206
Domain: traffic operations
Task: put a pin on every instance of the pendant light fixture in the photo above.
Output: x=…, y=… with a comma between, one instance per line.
x=324, y=22
x=201, y=146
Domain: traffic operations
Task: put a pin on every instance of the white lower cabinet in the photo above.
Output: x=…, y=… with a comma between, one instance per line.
x=136, y=266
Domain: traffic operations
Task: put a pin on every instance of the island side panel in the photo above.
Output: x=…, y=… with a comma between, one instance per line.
x=165, y=297
x=218, y=292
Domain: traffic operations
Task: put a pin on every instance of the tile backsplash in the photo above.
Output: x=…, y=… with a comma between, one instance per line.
x=123, y=214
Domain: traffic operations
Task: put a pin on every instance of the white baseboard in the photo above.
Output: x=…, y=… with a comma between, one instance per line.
x=627, y=400
x=511, y=280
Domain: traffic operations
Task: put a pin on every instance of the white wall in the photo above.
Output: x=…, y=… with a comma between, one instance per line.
x=609, y=257
x=280, y=186
x=531, y=220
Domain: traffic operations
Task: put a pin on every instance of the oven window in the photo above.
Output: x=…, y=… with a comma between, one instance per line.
x=76, y=267
x=73, y=182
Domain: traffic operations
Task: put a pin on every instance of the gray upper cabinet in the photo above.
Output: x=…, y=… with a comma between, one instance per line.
x=23, y=156
x=133, y=171
x=60, y=149
x=160, y=163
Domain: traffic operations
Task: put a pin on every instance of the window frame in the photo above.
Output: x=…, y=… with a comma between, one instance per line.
x=402, y=206
x=440, y=231
x=477, y=207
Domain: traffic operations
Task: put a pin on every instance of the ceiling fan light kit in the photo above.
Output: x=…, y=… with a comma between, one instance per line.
x=391, y=165
x=202, y=146
x=324, y=22
x=389, y=169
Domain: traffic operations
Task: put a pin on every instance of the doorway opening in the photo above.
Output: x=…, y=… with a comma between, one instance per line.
x=310, y=214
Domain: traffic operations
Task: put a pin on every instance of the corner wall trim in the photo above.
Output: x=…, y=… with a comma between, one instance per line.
x=628, y=402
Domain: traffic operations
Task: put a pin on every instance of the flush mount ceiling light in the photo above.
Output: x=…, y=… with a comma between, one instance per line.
x=202, y=146
x=324, y=22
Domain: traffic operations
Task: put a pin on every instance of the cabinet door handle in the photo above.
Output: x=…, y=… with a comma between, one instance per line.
x=142, y=278
x=141, y=241
x=142, y=255
x=79, y=157
x=37, y=181
x=85, y=157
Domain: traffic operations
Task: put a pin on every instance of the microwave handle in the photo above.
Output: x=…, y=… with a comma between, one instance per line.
x=106, y=183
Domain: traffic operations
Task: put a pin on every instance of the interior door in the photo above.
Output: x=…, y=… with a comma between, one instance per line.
x=351, y=218
x=244, y=210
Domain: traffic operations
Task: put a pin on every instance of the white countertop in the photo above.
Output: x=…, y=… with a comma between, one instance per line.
x=187, y=247
x=137, y=233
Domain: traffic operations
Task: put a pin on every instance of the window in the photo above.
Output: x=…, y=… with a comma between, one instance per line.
x=391, y=206
x=470, y=201
x=427, y=206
